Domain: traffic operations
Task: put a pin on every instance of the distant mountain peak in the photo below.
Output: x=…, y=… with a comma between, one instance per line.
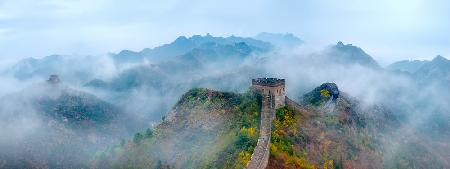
x=181, y=39
x=350, y=54
x=409, y=66
x=126, y=52
x=436, y=70
x=341, y=44
x=280, y=39
x=185, y=45
x=439, y=58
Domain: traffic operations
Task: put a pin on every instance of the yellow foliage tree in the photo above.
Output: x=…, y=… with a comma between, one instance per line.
x=328, y=164
x=324, y=93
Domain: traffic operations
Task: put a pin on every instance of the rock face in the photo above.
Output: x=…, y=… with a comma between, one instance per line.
x=321, y=94
x=330, y=87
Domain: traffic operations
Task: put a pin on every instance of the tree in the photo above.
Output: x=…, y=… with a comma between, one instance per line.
x=148, y=133
x=324, y=93
x=138, y=137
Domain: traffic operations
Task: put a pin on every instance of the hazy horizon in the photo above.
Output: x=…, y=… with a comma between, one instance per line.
x=388, y=31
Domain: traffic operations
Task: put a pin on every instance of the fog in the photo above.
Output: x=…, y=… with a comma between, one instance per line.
x=160, y=85
x=423, y=109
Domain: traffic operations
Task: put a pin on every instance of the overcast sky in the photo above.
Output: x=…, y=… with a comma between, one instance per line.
x=389, y=30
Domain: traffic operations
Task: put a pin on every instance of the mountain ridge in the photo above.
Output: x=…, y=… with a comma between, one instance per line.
x=205, y=128
x=350, y=54
x=183, y=45
x=70, y=126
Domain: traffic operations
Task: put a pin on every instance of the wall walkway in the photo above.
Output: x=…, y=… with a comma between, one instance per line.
x=261, y=153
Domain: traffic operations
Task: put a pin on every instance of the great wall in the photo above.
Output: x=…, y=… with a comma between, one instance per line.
x=272, y=91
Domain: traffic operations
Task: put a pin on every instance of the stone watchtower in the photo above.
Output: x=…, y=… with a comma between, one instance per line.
x=53, y=79
x=271, y=87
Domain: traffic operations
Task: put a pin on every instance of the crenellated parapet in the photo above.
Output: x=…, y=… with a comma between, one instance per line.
x=272, y=82
x=270, y=87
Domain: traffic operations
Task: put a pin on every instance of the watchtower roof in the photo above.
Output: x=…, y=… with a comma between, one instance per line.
x=268, y=82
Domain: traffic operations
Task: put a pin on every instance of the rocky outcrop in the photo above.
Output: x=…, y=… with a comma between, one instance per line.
x=321, y=94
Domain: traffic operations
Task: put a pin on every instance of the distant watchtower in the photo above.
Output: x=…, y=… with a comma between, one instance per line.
x=53, y=79
x=271, y=87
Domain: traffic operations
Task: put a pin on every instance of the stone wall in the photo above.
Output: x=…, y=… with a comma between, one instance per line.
x=261, y=153
x=272, y=91
x=294, y=105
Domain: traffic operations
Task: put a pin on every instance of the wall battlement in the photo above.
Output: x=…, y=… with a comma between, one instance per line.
x=268, y=82
x=270, y=87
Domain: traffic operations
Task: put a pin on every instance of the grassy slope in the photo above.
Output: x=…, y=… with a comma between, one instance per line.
x=206, y=129
x=336, y=134
x=343, y=136
x=304, y=139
